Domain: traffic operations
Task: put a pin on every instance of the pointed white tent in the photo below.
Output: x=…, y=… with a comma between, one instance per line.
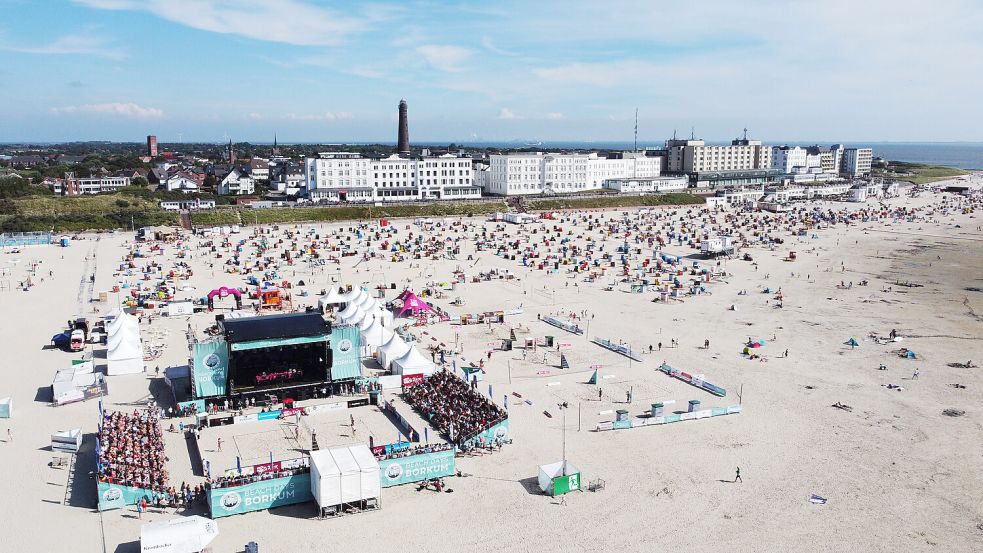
x=331, y=298
x=373, y=337
x=413, y=362
x=393, y=349
x=345, y=314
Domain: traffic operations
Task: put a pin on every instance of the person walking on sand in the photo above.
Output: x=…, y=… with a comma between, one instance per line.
x=914, y=375
x=220, y=444
x=786, y=353
x=737, y=477
x=600, y=393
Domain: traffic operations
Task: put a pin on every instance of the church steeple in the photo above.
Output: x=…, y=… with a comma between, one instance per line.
x=276, y=149
x=232, y=153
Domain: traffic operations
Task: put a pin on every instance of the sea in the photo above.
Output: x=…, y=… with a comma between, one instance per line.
x=964, y=155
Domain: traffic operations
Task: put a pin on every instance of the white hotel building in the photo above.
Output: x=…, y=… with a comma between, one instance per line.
x=541, y=173
x=344, y=176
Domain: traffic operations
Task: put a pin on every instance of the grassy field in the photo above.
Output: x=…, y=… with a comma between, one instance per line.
x=248, y=216
x=917, y=173
x=111, y=211
x=102, y=212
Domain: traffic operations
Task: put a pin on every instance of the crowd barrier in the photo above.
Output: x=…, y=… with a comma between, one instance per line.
x=259, y=496
x=414, y=468
x=667, y=419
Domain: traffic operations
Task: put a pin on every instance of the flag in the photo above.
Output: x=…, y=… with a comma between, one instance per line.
x=271, y=460
x=593, y=378
x=563, y=362
x=238, y=465
x=426, y=435
x=505, y=400
x=490, y=396
x=512, y=335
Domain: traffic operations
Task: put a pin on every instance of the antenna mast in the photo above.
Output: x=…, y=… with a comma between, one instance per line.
x=636, y=129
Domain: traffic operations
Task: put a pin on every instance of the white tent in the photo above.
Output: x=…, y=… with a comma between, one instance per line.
x=393, y=349
x=374, y=336
x=548, y=472
x=348, y=312
x=331, y=298
x=344, y=475
x=366, y=302
x=67, y=440
x=367, y=321
x=371, y=482
x=413, y=362
x=325, y=479
x=351, y=475
x=355, y=294
x=178, y=535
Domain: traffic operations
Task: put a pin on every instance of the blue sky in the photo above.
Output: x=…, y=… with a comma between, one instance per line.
x=837, y=70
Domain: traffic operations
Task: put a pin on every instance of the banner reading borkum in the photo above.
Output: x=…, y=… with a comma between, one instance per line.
x=211, y=368
x=261, y=495
x=404, y=470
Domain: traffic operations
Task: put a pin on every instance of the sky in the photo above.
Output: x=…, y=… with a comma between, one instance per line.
x=334, y=71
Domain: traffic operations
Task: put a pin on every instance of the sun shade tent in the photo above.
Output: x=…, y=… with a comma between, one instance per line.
x=391, y=350
x=413, y=362
x=852, y=342
x=413, y=304
x=178, y=535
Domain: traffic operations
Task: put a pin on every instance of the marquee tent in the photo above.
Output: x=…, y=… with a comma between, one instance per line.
x=413, y=362
x=333, y=297
x=178, y=535
x=393, y=349
x=355, y=294
x=412, y=303
x=349, y=312
x=373, y=337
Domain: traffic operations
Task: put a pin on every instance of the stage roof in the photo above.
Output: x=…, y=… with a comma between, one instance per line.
x=265, y=327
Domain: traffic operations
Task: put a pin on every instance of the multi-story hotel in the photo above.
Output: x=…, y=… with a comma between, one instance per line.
x=541, y=173
x=345, y=176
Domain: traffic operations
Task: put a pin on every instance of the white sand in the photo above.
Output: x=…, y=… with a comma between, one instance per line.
x=898, y=474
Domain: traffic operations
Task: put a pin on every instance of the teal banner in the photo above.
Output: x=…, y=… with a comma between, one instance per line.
x=115, y=496
x=211, y=368
x=261, y=495
x=499, y=431
x=273, y=343
x=403, y=470
x=346, y=357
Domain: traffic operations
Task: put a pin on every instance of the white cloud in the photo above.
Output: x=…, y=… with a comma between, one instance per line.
x=490, y=46
x=554, y=115
x=326, y=116
x=445, y=57
x=73, y=44
x=254, y=116
x=288, y=21
x=506, y=113
x=120, y=109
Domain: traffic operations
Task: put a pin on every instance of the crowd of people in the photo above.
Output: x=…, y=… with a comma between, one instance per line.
x=415, y=450
x=131, y=450
x=233, y=480
x=454, y=407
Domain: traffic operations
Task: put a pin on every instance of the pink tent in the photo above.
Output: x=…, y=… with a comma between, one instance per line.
x=412, y=303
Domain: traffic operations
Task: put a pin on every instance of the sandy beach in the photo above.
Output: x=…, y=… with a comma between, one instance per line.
x=897, y=473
